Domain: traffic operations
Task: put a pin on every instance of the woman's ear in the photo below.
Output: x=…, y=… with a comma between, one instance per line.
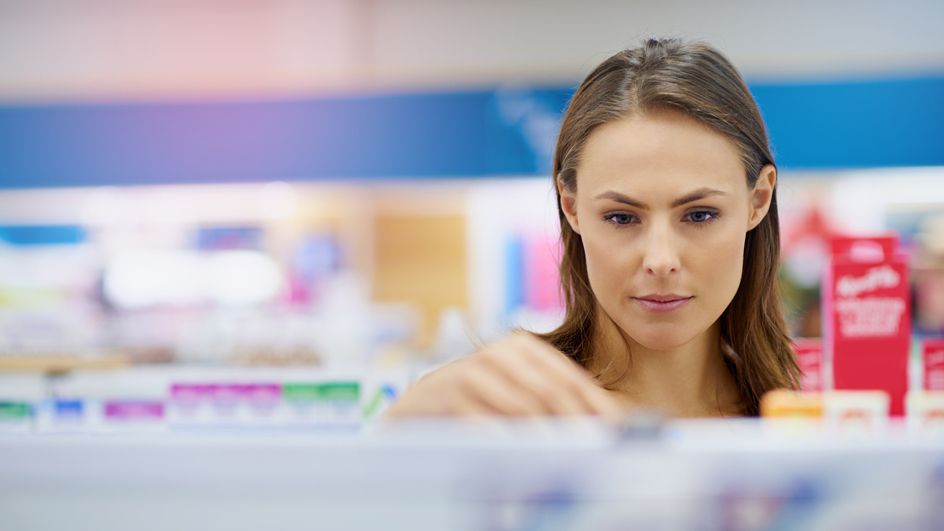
x=762, y=195
x=568, y=203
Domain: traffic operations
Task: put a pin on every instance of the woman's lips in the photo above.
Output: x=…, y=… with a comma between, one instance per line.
x=662, y=303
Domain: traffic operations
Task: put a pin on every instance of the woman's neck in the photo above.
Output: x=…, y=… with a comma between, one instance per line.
x=691, y=380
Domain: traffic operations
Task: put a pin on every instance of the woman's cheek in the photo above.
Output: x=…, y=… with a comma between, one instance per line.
x=608, y=266
x=725, y=264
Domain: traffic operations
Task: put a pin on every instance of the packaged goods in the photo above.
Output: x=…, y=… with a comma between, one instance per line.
x=867, y=317
x=786, y=403
x=809, y=353
x=932, y=354
x=856, y=413
x=926, y=413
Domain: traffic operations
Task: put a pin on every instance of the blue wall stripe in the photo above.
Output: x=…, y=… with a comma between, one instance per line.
x=456, y=134
x=852, y=125
x=42, y=234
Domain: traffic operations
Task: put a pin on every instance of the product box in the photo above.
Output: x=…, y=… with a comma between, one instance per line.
x=125, y=413
x=867, y=317
x=932, y=353
x=19, y=395
x=787, y=403
x=323, y=404
x=856, y=413
x=15, y=416
x=105, y=401
x=224, y=403
x=926, y=414
x=809, y=354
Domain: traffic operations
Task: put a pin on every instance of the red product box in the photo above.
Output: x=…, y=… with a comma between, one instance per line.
x=809, y=355
x=867, y=317
x=932, y=353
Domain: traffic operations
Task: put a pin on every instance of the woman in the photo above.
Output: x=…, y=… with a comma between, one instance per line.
x=667, y=197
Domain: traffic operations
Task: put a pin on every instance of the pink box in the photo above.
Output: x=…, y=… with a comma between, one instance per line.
x=134, y=410
x=867, y=317
x=191, y=392
x=809, y=353
x=932, y=352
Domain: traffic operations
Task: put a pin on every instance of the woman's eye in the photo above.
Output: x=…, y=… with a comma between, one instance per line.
x=701, y=216
x=620, y=219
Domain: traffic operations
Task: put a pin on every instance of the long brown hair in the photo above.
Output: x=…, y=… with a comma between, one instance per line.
x=698, y=80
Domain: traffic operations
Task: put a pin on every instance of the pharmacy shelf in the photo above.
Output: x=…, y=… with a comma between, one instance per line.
x=731, y=474
x=60, y=364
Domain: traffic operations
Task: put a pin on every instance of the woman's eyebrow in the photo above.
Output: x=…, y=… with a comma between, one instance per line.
x=620, y=198
x=701, y=193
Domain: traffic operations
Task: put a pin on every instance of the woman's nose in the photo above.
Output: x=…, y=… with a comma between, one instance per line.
x=661, y=256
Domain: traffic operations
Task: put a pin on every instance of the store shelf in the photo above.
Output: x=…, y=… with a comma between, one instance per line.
x=704, y=475
x=60, y=364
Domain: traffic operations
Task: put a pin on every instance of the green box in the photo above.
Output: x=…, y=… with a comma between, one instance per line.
x=321, y=392
x=15, y=410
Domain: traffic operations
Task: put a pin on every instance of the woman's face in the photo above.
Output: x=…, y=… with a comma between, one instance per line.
x=663, y=209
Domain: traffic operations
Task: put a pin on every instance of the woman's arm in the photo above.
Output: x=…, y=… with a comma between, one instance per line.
x=520, y=376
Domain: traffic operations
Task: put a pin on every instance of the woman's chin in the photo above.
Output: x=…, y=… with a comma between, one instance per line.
x=661, y=339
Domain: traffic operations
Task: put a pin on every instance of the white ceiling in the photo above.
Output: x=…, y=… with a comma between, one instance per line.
x=114, y=50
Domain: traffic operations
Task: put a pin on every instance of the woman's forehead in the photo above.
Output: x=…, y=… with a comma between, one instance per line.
x=665, y=152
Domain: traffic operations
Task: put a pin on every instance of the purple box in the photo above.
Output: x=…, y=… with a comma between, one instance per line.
x=134, y=410
x=191, y=392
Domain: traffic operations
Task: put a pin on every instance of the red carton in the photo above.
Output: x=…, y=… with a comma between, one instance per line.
x=867, y=317
x=932, y=352
x=809, y=354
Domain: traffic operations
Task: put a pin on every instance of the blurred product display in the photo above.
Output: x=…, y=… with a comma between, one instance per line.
x=277, y=274
x=400, y=275
x=173, y=398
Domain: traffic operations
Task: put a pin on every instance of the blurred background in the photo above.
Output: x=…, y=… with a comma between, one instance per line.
x=354, y=184
x=276, y=214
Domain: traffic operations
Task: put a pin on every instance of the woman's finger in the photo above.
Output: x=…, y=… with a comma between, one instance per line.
x=555, y=394
x=563, y=386
x=574, y=377
x=484, y=384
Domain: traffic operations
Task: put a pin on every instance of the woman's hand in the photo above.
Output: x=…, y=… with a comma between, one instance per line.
x=519, y=376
